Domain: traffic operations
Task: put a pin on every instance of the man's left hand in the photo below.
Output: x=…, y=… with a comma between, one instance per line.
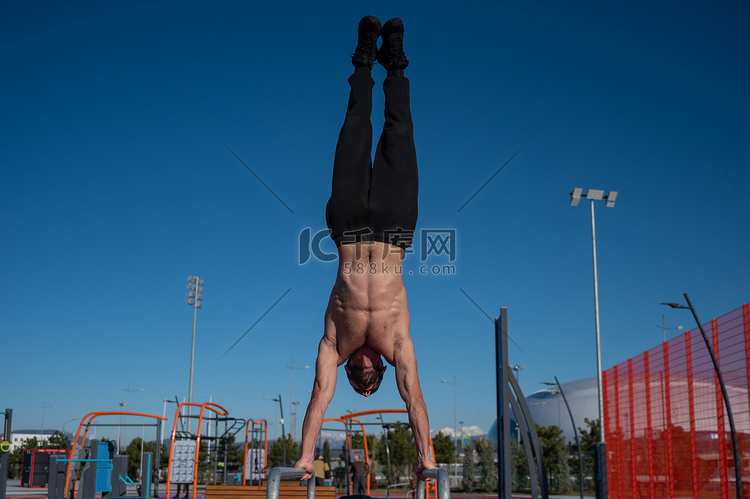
x=307, y=466
x=427, y=465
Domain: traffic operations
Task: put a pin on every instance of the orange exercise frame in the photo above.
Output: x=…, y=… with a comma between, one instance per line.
x=430, y=484
x=206, y=405
x=90, y=416
x=349, y=444
x=265, y=446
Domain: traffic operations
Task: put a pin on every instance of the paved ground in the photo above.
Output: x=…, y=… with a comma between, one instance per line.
x=15, y=491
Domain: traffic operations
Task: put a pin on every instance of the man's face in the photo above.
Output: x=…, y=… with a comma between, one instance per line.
x=369, y=362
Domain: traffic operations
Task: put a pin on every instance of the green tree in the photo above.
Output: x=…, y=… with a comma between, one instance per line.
x=359, y=443
x=467, y=481
x=133, y=451
x=519, y=468
x=327, y=452
x=555, y=454
x=231, y=455
x=276, y=452
x=487, y=467
x=15, y=459
x=445, y=449
x=58, y=441
x=588, y=437
x=402, y=452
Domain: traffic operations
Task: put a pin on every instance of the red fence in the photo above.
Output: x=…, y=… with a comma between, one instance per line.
x=665, y=422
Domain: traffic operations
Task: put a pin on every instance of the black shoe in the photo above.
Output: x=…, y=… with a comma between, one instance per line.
x=367, y=44
x=391, y=53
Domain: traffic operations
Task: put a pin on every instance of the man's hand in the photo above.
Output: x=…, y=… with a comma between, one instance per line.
x=307, y=466
x=427, y=465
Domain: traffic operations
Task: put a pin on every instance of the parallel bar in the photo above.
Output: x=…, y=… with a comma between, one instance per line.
x=443, y=483
x=276, y=475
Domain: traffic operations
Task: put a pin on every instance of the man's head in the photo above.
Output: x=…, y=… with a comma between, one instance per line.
x=365, y=370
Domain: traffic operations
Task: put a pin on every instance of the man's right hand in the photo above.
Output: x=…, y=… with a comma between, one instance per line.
x=307, y=466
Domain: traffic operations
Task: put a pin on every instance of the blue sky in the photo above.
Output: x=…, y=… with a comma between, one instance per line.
x=117, y=182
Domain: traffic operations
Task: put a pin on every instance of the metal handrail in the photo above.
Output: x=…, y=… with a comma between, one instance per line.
x=443, y=483
x=389, y=486
x=280, y=473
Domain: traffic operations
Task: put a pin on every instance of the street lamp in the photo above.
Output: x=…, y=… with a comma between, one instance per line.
x=168, y=401
x=127, y=400
x=735, y=447
x=575, y=431
x=66, y=422
x=119, y=427
x=291, y=398
x=283, y=435
x=664, y=328
x=518, y=368
x=455, y=384
x=44, y=406
x=195, y=295
x=575, y=198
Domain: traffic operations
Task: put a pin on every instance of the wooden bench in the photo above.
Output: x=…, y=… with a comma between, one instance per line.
x=287, y=490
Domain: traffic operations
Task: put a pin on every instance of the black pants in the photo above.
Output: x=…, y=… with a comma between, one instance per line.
x=375, y=201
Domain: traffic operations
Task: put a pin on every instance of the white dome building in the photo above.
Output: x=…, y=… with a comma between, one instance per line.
x=548, y=408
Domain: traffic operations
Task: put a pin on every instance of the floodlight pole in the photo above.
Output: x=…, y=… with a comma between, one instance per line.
x=725, y=394
x=575, y=198
x=195, y=285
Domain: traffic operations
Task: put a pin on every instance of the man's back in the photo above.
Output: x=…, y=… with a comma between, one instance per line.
x=368, y=304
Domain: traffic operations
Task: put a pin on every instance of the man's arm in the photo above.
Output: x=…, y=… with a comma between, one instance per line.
x=322, y=393
x=407, y=381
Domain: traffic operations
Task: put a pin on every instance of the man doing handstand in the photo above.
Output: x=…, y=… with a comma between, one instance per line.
x=371, y=216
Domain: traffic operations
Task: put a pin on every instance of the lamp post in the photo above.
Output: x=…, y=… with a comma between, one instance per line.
x=44, y=406
x=725, y=394
x=455, y=384
x=283, y=435
x=168, y=401
x=127, y=401
x=66, y=422
x=575, y=198
x=275, y=418
x=119, y=427
x=195, y=286
x=664, y=328
x=291, y=398
x=575, y=431
x=293, y=416
x=518, y=368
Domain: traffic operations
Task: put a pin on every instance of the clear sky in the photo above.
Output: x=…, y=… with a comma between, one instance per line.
x=117, y=182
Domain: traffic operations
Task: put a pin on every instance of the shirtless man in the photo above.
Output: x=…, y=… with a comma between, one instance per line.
x=371, y=216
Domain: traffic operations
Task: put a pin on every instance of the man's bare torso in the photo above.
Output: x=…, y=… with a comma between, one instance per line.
x=368, y=302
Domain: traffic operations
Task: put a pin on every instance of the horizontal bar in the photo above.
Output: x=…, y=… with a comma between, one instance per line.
x=85, y=460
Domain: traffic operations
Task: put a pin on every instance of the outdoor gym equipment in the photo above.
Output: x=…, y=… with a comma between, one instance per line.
x=256, y=432
x=77, y=455
x=185, y=447
x=507, y=386
x=348, y=429
x=277, y=474
x=4, y=448
x=103, y=471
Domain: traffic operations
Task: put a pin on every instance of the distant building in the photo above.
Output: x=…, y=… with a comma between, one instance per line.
x=17, y=438
x=548, y=408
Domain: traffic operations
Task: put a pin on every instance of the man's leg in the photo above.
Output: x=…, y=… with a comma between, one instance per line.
x=395, y=179
x=352, y=168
